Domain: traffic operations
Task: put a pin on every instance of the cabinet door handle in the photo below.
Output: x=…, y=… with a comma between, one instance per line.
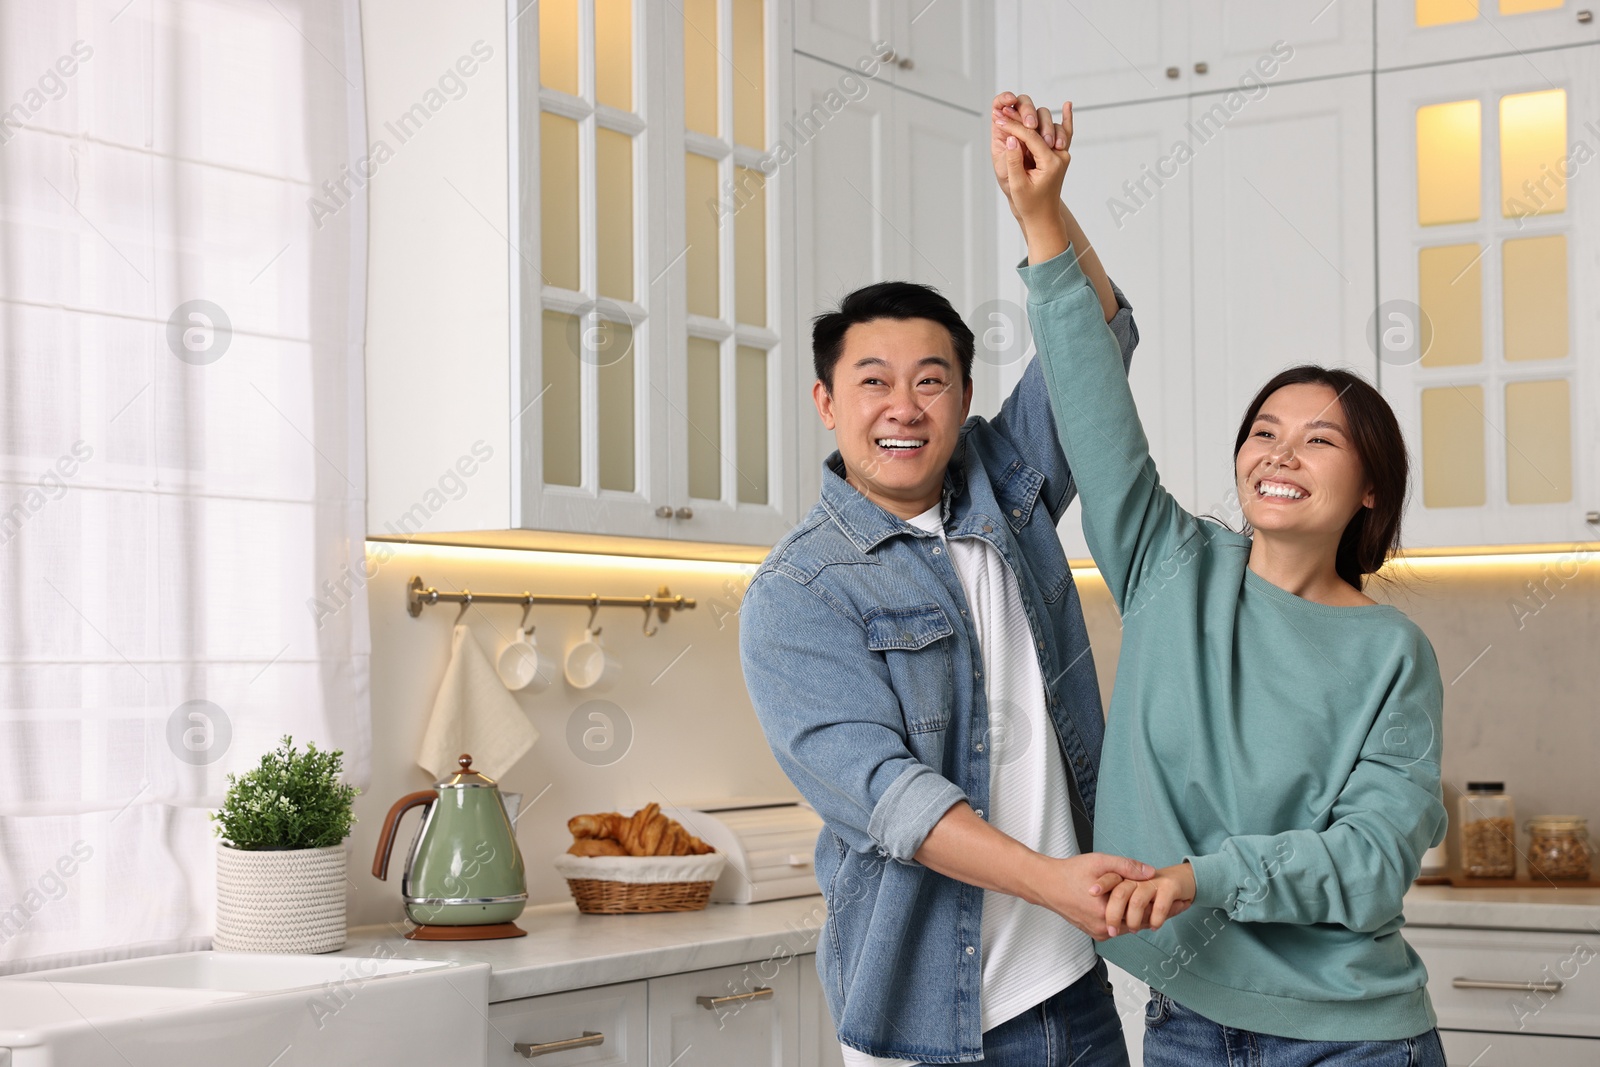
x=713, y=1003
x=544, y=1048
x=1554, y=986
x=1592, y=518
x=904, y=63
x=1586, y=17
x=663, y=512
x=1202, y=67
x=685, y=513
x=1173, y=72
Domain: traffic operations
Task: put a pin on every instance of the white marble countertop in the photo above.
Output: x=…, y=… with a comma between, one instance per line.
x=566, y=950
x=1504, y=909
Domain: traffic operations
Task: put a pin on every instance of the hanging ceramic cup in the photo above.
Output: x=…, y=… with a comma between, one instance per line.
x=520, y=666
x=588, y=664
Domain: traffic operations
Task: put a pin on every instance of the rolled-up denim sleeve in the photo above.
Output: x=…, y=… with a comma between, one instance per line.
x=833, y=721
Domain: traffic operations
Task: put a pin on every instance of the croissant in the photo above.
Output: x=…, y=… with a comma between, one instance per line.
x=608, y=824
x=646, y=832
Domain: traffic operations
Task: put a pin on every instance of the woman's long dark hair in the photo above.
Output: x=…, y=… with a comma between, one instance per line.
x=1373, y=535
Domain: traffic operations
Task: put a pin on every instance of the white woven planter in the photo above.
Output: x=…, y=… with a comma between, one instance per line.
x=289, y=901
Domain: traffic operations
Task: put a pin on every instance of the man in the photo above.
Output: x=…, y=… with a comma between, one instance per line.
x=917, y=656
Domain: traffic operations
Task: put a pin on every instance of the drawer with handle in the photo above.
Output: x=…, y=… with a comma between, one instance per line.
x=601, y=1027
x=1512, y=982
x=746, y=1015
x=1466, y=1049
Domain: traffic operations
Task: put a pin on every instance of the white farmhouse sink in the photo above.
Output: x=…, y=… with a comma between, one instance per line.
x=239, y=972
x=247, y=1008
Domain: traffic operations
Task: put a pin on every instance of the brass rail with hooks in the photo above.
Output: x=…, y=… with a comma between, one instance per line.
x=663, y=602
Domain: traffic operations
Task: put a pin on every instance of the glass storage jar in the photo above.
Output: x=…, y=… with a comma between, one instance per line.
x=1558, y=846
x=1488, y=831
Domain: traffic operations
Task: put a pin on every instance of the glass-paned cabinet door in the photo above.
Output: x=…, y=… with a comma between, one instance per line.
x=589, y=343
x=1432, y=31
x=730, y=402
x=1487, y=245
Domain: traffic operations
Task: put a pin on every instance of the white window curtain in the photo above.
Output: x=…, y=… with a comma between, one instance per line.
x=181, y=444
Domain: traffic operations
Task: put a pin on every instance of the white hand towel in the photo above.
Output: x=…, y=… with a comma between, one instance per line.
x=474, y=714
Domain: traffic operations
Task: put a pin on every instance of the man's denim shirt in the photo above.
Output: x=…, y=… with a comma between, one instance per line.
x=866, y=674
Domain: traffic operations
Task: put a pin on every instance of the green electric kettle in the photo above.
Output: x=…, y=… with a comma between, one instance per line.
x=464, y=879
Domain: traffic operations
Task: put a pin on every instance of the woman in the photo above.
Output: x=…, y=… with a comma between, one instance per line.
x=1272, y=743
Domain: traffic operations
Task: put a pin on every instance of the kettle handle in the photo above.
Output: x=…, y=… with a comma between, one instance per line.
x=391, y=825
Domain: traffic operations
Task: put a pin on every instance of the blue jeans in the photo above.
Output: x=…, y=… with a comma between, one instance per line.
x=1078, y=1027
x=1174, y=1036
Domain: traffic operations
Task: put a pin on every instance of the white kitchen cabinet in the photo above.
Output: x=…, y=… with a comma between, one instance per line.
x=1097, y=52
x=633, y=380
x=1466, y=1048
x=1433, y=31
x=1508, y=997
x=819, y=1042
x=1488, y=246
x=889, y=185
x=940, y=50
x=654, y=353
x=601, y=1027
x=748, y=1015
x=1229, y=37
x=1100, y=52
x=1283, y=252
x=766, y=1013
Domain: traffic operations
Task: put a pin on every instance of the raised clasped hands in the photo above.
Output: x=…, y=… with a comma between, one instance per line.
x=1031, y=152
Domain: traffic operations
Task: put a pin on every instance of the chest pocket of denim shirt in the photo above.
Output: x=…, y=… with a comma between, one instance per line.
x=915, y=643
x=1017, y=493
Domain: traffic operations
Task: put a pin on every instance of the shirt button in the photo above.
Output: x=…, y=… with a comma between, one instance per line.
x=937, y=550
x=970, y=950
x=977, y=674
x=979, y=746
x=978, y=813
x=1081, y=761
x=963, y=613
x=988, y=529
x=1016, y=513
x=1041, y=646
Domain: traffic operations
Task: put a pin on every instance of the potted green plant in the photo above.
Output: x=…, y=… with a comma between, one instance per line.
x=281, y=860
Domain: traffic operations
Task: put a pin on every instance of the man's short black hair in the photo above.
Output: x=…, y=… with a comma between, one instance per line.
x=886, y=300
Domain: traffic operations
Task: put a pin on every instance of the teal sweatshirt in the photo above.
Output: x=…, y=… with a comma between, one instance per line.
x=1288, y=750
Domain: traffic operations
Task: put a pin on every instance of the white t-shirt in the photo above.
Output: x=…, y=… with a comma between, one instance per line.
x=1029, y=952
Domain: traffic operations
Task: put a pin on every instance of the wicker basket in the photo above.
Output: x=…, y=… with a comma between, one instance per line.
x=623, y=885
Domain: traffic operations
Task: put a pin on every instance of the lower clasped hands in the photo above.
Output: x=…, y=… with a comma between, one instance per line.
x=1131, y=906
